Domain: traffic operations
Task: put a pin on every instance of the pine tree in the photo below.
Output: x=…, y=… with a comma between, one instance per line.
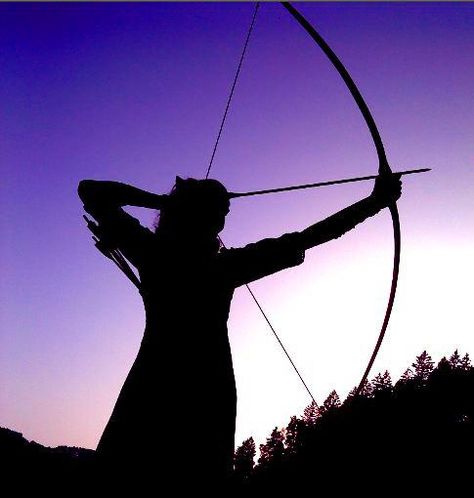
x=466, y=363
x=455, y=360
x=365, y=392
x=311, y=413
x=367, y=389
x=351, y=394
x=441, y=374
x=406, y=376
x=331, y=402
x=382, y=383
x=423, y=366
x=444, y=366
x=294, y=434
x=244, y=458
x=272, y=451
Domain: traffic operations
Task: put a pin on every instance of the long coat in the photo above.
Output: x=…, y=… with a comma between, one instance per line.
x=175, y=416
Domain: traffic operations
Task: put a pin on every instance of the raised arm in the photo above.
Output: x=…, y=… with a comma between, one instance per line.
x=98, y=195
x=386, y=191
x=116, y=228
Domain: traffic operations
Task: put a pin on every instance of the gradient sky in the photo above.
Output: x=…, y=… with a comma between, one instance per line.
x=135, y=93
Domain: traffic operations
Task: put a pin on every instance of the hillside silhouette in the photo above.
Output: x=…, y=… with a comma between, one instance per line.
x=418, y=431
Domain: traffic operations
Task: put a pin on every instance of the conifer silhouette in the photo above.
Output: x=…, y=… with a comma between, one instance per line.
x=244, y=459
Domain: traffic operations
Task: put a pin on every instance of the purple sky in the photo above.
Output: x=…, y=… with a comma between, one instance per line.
x=135, y=93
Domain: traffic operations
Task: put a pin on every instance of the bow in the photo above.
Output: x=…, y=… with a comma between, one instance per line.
x=384, y=169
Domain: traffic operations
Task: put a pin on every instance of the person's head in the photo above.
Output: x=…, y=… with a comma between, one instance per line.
x=195, y=210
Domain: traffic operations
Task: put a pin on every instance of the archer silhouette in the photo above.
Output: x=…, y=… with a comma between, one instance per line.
x=181, y=388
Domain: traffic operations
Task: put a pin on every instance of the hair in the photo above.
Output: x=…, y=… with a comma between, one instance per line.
x=185, y=195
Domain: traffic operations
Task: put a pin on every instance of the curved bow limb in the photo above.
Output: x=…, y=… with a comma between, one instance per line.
x=384, y=169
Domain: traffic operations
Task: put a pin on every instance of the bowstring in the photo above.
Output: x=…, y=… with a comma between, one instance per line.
x=229, y=99
x=231, y=93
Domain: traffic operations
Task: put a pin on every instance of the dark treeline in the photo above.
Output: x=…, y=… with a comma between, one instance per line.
x=416, y=434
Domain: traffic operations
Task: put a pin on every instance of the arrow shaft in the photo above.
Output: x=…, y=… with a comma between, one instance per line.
x=233, y=195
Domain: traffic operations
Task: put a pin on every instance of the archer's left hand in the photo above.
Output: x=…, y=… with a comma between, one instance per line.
x=387, y=189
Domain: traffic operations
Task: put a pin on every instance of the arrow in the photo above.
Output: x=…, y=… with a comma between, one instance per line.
x=233, y=195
